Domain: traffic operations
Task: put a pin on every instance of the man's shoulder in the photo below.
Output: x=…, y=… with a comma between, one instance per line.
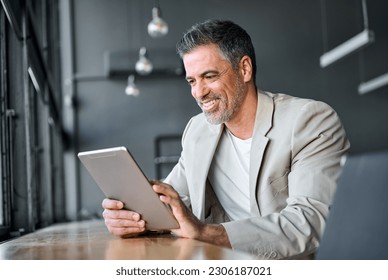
x=293, y=103
x=198, y=125
x=197, y=122
x=286, y=99
x=199, y=118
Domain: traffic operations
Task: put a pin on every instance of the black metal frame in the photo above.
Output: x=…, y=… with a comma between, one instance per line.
x=38, y=130
x=6, y=115
x=9, y=10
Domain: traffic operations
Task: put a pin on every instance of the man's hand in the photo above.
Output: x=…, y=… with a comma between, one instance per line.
x=120, y=222
x=190, y=226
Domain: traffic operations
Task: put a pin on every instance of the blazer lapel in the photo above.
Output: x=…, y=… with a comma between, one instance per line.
x=263, y=123
x=204, y=150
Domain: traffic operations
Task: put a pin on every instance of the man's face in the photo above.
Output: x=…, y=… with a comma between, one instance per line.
x=218, y=89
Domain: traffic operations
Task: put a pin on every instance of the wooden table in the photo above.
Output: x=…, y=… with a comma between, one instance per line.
x=90, y=240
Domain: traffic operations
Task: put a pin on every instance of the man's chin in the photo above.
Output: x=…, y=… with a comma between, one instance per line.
x=210, y=118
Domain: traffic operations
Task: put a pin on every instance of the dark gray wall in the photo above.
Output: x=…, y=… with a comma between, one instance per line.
x=289, y=37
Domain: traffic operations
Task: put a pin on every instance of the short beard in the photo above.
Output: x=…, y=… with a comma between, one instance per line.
x=235, y=106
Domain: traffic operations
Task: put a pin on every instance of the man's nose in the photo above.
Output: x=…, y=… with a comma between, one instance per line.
x=199, y=90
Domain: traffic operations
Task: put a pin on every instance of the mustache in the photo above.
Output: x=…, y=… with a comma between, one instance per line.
x=210, y=96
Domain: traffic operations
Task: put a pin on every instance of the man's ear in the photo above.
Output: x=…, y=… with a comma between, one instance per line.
x=246, y=68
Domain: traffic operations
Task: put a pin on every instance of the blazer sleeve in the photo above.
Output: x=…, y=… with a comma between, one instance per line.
x=317, y=141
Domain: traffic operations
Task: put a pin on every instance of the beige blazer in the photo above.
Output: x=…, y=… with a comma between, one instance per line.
x=295, y=158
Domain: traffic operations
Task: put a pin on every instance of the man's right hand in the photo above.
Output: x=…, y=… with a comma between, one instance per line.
x=121, y=222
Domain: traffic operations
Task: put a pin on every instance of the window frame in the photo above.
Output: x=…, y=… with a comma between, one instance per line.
x=31, y=140
x=5, y=122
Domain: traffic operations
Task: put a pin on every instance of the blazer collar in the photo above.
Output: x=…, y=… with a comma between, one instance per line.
x=264, y=113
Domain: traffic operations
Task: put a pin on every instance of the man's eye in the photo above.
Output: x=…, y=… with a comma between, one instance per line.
x=190, y=82
x=210, y=77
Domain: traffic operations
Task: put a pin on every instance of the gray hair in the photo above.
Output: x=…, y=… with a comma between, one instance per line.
x=233, y=41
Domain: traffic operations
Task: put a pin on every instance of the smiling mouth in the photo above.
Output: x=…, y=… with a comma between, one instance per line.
x=208, y=105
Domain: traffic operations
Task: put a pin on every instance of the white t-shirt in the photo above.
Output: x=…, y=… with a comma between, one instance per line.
x=229, y=175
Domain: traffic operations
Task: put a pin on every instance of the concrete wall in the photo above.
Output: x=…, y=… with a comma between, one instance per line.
x=289, y=37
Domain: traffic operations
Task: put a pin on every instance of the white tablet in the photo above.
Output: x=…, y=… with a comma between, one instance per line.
x=119, y=177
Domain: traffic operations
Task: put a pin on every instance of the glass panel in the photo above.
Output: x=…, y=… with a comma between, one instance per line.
x=1, y=120
x=1, y=202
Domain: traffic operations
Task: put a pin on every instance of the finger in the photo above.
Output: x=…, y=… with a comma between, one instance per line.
x=124, y=223
x=108, y=203
x=155, y=182
x=126, y=231
x=175, y=203
x=166, y=190
x=121, y=214
x=168, y=195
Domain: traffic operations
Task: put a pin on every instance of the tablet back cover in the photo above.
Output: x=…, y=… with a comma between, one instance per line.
x=118, y=175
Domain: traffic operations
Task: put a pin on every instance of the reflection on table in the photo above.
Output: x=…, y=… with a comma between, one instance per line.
x=91, y=240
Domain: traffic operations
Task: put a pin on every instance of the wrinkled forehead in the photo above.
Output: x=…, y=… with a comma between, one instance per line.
x=203, y=59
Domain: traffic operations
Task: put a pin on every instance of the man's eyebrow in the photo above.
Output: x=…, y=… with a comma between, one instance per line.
x=204, y=74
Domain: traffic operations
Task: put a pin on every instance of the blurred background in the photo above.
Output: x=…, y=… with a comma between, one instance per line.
x=66, y=65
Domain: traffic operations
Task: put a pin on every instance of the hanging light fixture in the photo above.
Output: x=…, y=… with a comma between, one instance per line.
x=143, y=65
x=131, y=88
x=350, y=46
x=157, y=27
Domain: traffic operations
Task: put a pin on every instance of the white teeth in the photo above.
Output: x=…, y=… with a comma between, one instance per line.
x=208, y=104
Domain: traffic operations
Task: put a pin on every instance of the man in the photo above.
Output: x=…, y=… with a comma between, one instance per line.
x=258, y=170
